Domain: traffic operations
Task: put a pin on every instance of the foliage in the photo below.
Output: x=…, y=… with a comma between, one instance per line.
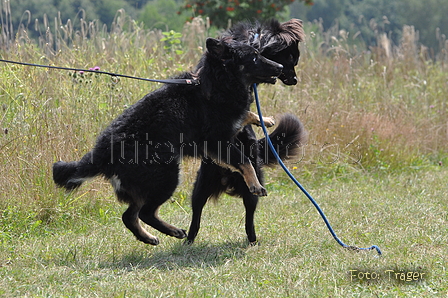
x=37, y=17
x=428, y=18
x=366, y=18
x=221, y=11
x=161, y=14
x=362, y=19
x=173, y=42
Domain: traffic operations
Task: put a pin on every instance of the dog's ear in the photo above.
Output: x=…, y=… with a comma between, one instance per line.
x=216, y=48
x=292, y=30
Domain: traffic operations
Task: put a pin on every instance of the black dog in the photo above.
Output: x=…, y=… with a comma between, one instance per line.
x=139, y=152
x=278, y=42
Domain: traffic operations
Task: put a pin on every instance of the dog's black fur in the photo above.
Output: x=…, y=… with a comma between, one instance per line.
x=139, y=151
x=276, y=41
x=279, y=42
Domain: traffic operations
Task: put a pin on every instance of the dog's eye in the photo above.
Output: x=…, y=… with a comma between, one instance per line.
x=255, y=56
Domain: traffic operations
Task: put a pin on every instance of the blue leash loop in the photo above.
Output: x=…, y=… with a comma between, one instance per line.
x=301, y=187
x=196, y=82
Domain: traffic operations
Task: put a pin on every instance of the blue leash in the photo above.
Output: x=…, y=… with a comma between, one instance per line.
x=301, y=187
x=195, y=82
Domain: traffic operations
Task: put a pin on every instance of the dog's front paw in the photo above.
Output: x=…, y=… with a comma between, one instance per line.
x=269, y=121
x=259, y=191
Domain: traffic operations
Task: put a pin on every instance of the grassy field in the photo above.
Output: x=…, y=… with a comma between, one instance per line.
x=375, y=161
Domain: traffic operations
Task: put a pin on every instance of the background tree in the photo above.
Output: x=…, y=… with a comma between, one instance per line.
x=426, y=17
x=89, y=10
x=161, y=14
x=367, y=18
x=221, y=11
x=361, y=18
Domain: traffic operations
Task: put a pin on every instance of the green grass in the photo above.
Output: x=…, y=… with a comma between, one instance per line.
x=375, y=162
x=88, y=252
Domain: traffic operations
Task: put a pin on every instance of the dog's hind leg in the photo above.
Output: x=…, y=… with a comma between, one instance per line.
x=250, y=203
x=208, y=183
x=199, y=199
x=161, y=189
x=130, y=220
x=148, y=214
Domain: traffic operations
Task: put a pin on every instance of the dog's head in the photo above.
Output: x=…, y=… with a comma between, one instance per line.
x=289, y=58
x=276, y=41
x=245, y=60
x=280, y=42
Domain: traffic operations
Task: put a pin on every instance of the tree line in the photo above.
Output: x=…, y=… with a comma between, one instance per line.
x=364, y=18
x=370, y=17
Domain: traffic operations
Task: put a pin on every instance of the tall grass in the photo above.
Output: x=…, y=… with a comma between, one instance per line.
x=382, y=109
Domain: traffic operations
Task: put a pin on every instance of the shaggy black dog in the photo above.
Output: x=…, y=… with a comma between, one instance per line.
x=140, y=151
x=278, y=42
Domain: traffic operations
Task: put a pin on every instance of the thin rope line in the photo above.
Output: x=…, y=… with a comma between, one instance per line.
x=196, y=82
x=169, y=81
x=301, y=187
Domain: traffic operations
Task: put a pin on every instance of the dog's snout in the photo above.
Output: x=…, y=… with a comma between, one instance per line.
x=288, y=81
x=278, y=66
x=273, y=64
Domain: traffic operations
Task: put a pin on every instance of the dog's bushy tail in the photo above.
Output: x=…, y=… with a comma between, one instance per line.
x=71, y=175
x=287, y=138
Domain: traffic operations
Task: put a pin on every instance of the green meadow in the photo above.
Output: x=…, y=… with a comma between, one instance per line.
x=376, y=162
